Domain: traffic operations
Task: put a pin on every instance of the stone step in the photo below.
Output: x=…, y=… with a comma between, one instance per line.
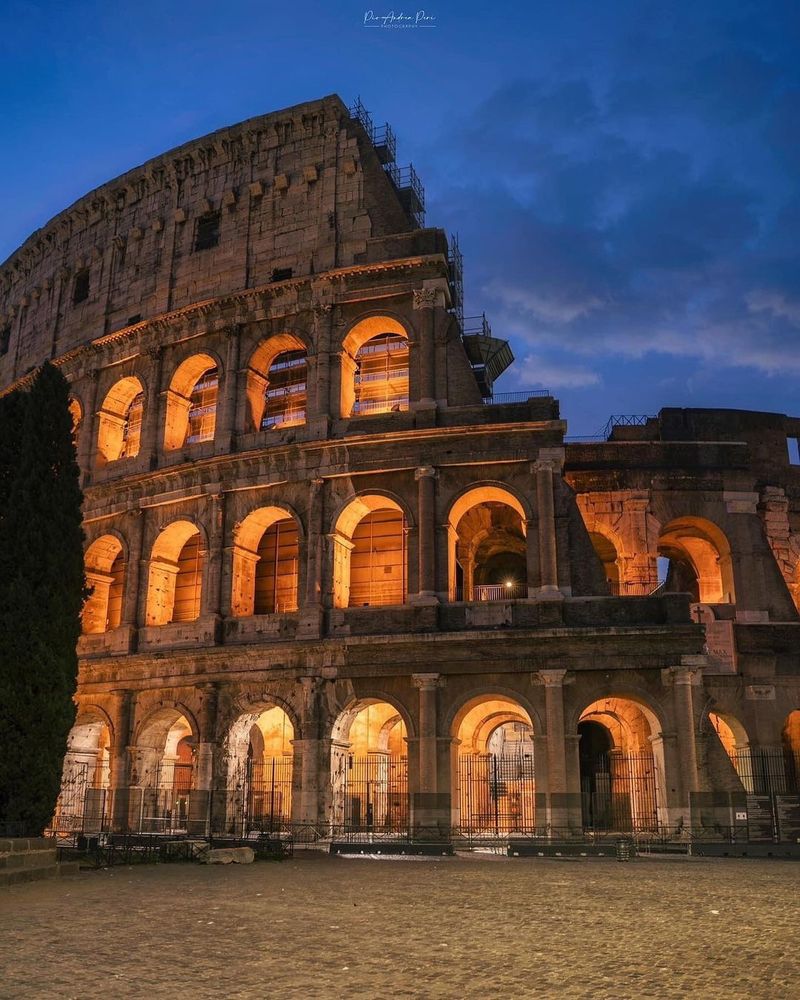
x=18, y=876
x=29, y=859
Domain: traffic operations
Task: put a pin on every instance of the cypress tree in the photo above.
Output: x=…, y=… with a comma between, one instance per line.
x=41, y=595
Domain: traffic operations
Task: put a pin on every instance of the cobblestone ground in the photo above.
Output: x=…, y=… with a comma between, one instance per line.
x=463, y=927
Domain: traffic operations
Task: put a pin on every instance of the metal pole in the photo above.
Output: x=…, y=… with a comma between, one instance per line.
x=272, y=798
x=496, y=798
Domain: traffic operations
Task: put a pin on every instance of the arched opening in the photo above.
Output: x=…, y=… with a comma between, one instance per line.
x=76, y=415
x=732, y=736
x=163, y=771
x=369, y=557
x=192, y=403
x=621, y=766
x=260, y=761
x=608, y=556
x=495, y=773
x=104, y=564
x=699, y=561
x=266, y=557
x=119, y=428
x=175, y=582
x=374, y=368
x=791, y=751
x=487, y=546
x=369, y=770
x=83, y=802
x=277, y=383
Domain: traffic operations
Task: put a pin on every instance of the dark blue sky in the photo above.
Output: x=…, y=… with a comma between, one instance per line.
x=623, y=176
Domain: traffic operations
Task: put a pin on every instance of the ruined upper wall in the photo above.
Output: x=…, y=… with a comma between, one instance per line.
x=298, y=189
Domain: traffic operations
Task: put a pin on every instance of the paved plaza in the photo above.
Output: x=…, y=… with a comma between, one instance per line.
x=464, y=927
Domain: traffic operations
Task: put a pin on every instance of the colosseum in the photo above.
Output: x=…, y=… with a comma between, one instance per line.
x=343, y=591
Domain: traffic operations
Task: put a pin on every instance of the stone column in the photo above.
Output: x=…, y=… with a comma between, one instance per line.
x=121, y=721
x=85, y=454
x=310, y=600
x=211, y=602
x=683, y=681
x=426, y=534
x=201, y=820
x=425, y=303
x=548, y=463
x=563, y=800
x=225, y=429
x=133, y=569
x=153, y=408
x=319, y=402
x=431, y=812
x=311, y=772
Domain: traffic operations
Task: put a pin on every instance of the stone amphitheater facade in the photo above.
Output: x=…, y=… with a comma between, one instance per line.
x=341, y=589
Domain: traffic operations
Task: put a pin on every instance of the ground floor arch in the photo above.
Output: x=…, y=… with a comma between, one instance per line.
x=162, y=772
x=84, y=799
x=369, y=769
x=259, y=771
x=493, y=767
x=621, y=766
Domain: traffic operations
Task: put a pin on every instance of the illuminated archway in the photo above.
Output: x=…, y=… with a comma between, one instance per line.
x=609, y=557
x=494, y=767
x=369, y=769
x=83, y=803
x=260, y=760
x=76, y=415
x=192, y=402
x=374, y=367
x=369, y=555
x=487, y=528
x=277, y=383
x=731, y=734
x=621, y=766
x=104, y=564
x=266, y=555
x=699, y=560
x=119, y=427
x=791, y=750
x=163, y=768
x=176, y=575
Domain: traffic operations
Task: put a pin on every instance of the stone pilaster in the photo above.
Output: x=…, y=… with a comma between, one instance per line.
x=426, y=534
x=548, y=465
x=225, y=429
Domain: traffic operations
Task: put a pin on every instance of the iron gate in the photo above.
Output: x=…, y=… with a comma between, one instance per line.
x=82, y=802
x=268, y=795
x=619, y=793
x=164, y=806
x=374, y=791
x=497, y=793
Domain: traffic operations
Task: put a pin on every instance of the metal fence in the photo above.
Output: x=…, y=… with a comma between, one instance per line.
x=373, y=795
x=619, y=793
x=768, y=770
x=496, y=793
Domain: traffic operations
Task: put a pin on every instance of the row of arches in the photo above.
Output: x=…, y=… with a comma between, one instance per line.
x=493, y=768
x=693, y=556
x=487, y=529
x=369, y=560
x=374, y=379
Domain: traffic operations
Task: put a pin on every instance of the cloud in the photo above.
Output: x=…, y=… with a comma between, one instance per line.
x=552, y=373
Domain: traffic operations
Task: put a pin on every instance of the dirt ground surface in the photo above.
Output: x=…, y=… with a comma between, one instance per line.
x=473, y=926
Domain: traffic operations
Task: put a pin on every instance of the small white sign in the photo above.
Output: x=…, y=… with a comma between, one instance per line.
x=741, y=815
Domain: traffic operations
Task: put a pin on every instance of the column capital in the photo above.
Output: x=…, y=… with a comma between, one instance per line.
x=426, y=472
x=551, y=678
x=424, y=298
x=550, y=460
x=427, y=682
